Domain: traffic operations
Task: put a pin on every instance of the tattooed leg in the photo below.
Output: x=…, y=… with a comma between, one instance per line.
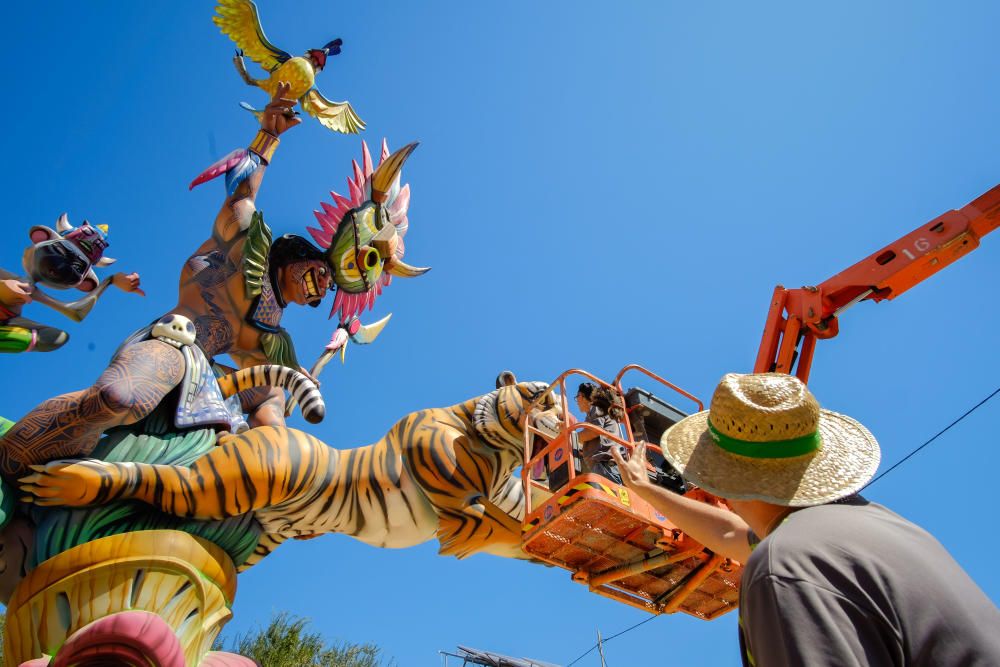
x=70, y=425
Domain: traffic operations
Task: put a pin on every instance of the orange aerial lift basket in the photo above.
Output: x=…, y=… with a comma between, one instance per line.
x=611, y=540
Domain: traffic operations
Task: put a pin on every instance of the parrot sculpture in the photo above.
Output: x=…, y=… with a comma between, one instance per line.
x=238, y=19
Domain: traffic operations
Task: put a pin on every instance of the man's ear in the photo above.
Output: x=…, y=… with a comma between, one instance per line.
x=40, y=234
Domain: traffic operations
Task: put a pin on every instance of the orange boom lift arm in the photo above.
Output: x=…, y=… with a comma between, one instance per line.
x=798, y=317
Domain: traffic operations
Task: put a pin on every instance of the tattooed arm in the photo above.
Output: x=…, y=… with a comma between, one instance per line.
x=70, y=425
x=234, y=216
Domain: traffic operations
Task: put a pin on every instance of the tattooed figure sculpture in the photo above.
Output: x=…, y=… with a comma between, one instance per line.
x=234, y=289
x=61, y=258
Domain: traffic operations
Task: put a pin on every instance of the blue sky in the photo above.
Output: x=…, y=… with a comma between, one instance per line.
x=597, y=184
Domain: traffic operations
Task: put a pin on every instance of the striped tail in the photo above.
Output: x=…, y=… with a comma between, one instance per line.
x=302, y=389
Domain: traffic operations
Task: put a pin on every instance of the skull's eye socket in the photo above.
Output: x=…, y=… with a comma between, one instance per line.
x=370, y=258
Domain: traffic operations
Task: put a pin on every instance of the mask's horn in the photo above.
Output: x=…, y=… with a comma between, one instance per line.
x=105, y=261
x=400, y=268
x=62, y=224
x=387, y=171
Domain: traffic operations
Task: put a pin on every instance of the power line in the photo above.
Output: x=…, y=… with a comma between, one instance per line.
x=932, y=438
x=607, y=639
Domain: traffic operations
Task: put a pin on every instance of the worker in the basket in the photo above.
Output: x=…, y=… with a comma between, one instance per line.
x=832, y=579
x=600, y=408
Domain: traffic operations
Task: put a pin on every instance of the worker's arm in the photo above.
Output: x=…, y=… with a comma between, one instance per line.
x=720, y=530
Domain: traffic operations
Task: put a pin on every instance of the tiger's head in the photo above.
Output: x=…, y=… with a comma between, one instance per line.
x=501, y=415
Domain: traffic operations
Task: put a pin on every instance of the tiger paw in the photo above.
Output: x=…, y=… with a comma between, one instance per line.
x=457, y=548
x=73, y=483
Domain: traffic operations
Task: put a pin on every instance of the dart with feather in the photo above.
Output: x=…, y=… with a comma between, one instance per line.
x=351, y=330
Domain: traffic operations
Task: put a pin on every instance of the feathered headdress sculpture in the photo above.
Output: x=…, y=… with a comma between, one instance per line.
x=362, y=233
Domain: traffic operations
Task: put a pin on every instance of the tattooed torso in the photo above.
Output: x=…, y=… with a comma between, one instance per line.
x=213, y=296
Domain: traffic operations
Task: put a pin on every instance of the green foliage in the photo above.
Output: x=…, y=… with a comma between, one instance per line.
x=287, y=642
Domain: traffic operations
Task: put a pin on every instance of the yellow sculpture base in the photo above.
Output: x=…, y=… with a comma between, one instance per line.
x=187, y=581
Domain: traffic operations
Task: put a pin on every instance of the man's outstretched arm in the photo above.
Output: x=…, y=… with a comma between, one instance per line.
x=720, y=530
x=238, y=208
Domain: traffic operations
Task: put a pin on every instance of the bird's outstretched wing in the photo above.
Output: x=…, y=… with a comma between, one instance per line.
x=338, y=116
x=239, y=20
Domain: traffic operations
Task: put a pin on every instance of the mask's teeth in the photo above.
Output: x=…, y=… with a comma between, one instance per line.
x=310, y=279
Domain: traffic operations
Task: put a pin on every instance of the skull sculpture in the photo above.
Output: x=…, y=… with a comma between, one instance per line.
x=174, y=329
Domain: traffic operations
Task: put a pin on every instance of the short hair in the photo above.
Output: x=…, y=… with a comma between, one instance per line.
x=586, y=389
x=289, y=249
x=604, y=399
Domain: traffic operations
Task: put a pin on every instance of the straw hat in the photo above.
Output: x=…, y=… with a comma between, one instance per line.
x=765, y=437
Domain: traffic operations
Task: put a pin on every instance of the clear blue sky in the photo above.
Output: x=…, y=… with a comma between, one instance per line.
x=597, y=183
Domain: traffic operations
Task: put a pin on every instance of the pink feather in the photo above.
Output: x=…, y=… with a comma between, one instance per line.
x=402, y=202
x=219, y=168
x=366, y=159
x=357, y=193
x=321, y=237
x=333, y=216
x=402, y=225
x=338, y=300
x=343, y=203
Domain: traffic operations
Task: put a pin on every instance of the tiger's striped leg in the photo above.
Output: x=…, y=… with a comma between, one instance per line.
x=266, y=545
x=262, y=467
x=477, y=526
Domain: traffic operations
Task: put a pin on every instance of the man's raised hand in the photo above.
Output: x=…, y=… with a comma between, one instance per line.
x=278, y=115
x=633, y=471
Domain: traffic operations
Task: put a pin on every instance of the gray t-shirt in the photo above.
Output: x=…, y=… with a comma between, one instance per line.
x=853, y=584
x=599, y=447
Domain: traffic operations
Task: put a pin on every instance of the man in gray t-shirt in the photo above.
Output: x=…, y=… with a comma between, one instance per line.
x=855, y=584
x=836, y=581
